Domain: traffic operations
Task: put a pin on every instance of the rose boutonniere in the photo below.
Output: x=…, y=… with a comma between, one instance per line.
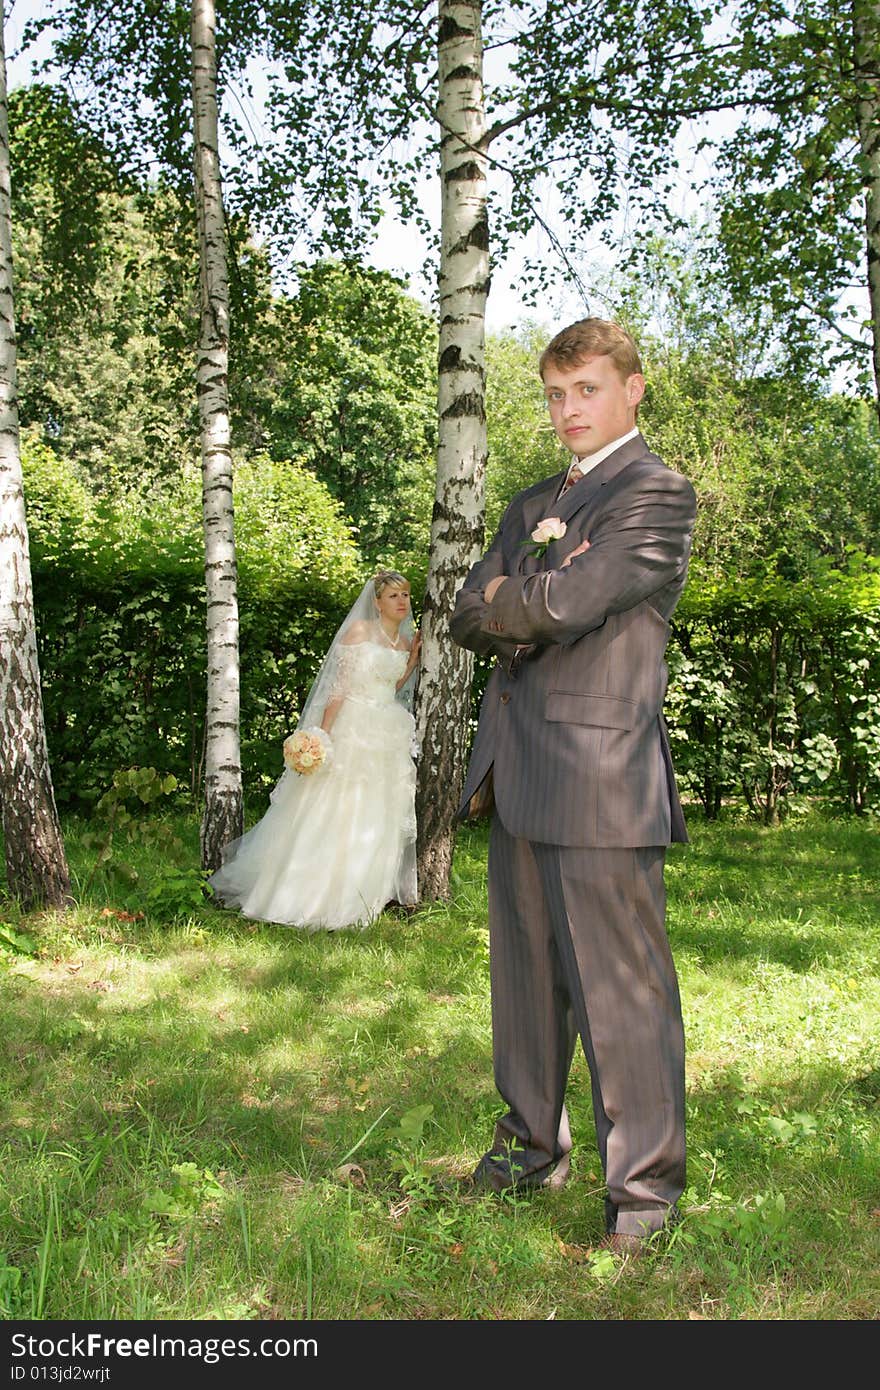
x=550, y=529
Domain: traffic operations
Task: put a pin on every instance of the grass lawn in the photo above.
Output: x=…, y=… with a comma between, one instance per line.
x=205, y=1118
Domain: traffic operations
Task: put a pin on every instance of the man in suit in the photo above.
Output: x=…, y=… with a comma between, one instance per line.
x=572, y=746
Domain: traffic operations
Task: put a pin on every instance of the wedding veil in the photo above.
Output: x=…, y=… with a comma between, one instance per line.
x=363, y=610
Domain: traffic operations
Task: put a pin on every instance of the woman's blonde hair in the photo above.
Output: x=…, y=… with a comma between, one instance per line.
x=383, y=578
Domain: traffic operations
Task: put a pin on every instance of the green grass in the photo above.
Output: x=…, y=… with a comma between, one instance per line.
x=206, y=1118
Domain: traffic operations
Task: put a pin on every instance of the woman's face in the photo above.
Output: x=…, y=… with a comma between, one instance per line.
x=393, y=603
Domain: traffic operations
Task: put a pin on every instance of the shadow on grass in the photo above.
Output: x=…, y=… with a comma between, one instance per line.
x=271, y=1048
x=281, y=1048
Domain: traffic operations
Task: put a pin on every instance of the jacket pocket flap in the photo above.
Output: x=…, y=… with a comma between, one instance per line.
x=606, y=711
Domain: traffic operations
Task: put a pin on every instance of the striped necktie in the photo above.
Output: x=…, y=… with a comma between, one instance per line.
x=574, y=476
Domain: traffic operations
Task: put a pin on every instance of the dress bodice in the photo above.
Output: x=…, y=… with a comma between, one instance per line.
x=368, y=672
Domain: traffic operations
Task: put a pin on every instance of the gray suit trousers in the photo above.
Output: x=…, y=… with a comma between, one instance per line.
x=579, y=946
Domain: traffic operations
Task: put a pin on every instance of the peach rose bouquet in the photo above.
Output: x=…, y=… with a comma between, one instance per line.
x=307, y=750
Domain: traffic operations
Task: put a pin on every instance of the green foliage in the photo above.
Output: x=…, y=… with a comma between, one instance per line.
x=339, y=377
x=774, y=689
x=345, y=383
x=188, y=1191
x=106, y=298
x=178, y=893
x=143, y=785
x=121, y=615
x=410, y=1127
x=15, y=943
x=522, y=445
x=62, y=173
x=784, y=471
x=10, y=1289
x=793, y=178
x=623, y=78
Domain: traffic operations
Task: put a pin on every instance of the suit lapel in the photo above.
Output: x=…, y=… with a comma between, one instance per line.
x=545, y=501
x=541, y=503
x=586, y=490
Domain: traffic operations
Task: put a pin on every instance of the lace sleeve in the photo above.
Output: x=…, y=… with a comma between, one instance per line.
x=342, y=676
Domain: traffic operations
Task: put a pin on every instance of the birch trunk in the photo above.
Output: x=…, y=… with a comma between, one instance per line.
x=222, y=820
x=36, y=867
x=866, y=33
x=457, y=525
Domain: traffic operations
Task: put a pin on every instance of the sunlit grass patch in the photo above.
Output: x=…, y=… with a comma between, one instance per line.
x=206, y=1117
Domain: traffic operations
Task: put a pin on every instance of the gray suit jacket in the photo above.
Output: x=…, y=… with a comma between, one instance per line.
x=573, y=731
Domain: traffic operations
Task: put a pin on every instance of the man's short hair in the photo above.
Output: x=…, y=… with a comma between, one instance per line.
x=592, y=338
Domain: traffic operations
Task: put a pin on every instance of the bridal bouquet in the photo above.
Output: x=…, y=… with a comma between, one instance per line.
x=307, y=750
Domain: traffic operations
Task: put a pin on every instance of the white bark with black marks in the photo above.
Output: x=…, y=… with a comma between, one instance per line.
x=222, y=819
x=457, y=525
x=866, y=33
x=36, y=866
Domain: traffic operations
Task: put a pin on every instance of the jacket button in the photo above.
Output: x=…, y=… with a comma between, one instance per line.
x=505, y=697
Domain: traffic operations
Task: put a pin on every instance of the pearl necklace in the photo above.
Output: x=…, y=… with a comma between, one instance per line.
x=395, y=644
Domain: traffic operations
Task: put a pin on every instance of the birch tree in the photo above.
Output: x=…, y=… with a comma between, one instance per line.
x=389, y=73
x=359, y=89
x=36, y=867
x=457, y=523
x=866, y=54
x=223, y=816
x=161, y=62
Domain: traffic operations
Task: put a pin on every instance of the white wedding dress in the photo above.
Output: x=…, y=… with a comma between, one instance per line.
x=338, y=844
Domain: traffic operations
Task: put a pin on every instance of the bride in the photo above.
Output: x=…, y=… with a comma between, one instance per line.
x=338, y=840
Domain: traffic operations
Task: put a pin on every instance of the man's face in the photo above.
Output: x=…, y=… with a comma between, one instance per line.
x=591, y=404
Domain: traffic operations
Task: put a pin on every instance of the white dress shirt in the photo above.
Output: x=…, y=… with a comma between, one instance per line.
x=589, y=461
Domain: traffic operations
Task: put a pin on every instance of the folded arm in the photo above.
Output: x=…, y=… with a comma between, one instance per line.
x=471, y=609
x=637, y=548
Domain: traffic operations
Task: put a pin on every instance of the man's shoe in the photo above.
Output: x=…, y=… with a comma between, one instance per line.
x=624, y=1244
x=498, y=1173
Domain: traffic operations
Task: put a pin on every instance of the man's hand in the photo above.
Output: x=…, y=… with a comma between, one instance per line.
x=578, y=550
x=493, y=586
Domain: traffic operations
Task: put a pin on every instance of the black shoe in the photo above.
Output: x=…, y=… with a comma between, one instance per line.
x=498, y=1172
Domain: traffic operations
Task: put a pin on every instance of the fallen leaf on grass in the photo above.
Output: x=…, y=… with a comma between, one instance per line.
x=578, y=1253
x=351, y=1172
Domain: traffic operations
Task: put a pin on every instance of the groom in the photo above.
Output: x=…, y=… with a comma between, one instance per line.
x=572, y=745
